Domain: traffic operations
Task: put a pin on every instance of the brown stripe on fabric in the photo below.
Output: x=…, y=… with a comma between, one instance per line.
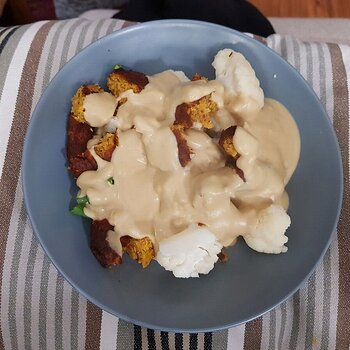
x=12, y=163
x=93, y=326
x=128, y=24
x=253, y=334
x=260, y=39
x=341, y=125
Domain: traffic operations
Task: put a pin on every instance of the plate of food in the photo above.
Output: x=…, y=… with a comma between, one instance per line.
x=174, y=172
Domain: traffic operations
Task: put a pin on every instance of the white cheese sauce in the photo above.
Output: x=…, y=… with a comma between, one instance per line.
x=154, y=196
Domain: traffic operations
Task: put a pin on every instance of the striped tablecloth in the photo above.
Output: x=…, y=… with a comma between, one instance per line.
x=39, y=310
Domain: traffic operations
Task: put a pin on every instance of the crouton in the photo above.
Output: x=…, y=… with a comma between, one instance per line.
x=106, y=146
x=182, y=146
x=81, y=163
x=78, y=134
x=99, y=245
x=121, y=80
x=78, y=100
x=199, y=111
x=226, y=142
x=141, y=250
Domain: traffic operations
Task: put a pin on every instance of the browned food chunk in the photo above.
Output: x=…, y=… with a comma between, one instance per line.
x=79, y=158
x=197, y=77
x=121, y=80
x=78, y=100
x=223, y=257
x=199, y=111
x=141, y=250
x=81, y=163
x=226, y=143
x=182, y=146
x=78, y=134
x=106, y=146
x=100, y=246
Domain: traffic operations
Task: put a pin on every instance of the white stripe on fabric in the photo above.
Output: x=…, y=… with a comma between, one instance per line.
x=186, y=341
x=89, y=33
x=171, y=339
x=11, y=86
x=329, y=82
x=316, y=70
x=345, y=50
x=74, y=42
x=303, y=63
x=109, y=331
x=235, y=337
x=5, y=283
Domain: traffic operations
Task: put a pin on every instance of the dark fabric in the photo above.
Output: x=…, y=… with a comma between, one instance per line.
x=237, y=14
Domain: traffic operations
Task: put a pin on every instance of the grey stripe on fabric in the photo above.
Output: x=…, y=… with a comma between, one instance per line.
x=296, y=49
x=326, y=301
x=284, y=47
x=110, y=28
x=68, y=40
x=43, y=302
x=82, y=37
x=341, y=125
x=295, y=325
x=3, y=30
x=7, y=38
x=7, y=55
x=28, y=293
x=74, y=319
x=96, y=32
x=125, y=338
x=14, y=276
x=51, y=53
x=58, y=312
x=272, y=336
x=310, y=315
x=220, y=340
x=282, y=329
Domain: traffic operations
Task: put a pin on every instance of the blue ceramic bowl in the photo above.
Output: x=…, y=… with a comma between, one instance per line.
x=250, y=283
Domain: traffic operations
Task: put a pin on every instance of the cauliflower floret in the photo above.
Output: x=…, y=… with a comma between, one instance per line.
x=268, y=236
x=190, y=252
x=240, y=81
